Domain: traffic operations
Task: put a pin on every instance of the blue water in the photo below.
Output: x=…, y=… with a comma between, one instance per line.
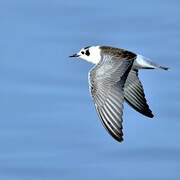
x=49, y=129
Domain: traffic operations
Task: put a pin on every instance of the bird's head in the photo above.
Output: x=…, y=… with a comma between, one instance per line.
x=91, y=54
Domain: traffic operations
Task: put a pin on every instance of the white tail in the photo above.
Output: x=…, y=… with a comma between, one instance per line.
x=142, y=62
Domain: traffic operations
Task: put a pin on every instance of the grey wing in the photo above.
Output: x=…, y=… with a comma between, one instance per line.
x=106, y=84
x=134, y=94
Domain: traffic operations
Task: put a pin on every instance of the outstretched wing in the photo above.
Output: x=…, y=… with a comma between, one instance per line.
x=134, y=94
x=107, y=81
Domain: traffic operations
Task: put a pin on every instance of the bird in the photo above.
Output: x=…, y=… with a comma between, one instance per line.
x=113, y=80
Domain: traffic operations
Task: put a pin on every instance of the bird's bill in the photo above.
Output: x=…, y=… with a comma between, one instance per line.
x=74, y=55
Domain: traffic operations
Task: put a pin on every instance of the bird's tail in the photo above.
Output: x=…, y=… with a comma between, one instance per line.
x=142, y=62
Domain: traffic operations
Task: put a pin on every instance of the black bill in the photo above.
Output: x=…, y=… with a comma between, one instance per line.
x=74, y=55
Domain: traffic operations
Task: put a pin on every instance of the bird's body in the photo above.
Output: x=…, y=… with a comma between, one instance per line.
x=113, y=80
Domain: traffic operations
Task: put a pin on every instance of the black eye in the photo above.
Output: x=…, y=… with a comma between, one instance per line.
x=82, y=52
x=87, y=52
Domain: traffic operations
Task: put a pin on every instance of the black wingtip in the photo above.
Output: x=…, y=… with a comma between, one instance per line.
x=150, y=115
x=119, y=139
x=147, y=112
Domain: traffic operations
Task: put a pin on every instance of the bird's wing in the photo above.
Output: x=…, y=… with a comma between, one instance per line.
x=134, y=94
x=107, y=81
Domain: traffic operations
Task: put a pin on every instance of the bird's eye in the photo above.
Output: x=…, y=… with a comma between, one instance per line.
x=87, y=52
x=82, y=52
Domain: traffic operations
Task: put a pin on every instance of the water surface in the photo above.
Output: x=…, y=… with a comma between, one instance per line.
x=48, y=126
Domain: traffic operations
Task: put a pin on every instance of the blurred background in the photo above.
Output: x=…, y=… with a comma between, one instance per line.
x=49, y=128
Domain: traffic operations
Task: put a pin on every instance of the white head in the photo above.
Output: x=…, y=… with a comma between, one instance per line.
x=91, y=54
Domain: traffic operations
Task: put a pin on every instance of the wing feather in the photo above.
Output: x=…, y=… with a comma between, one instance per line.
x=107, y=81
x=134, y=94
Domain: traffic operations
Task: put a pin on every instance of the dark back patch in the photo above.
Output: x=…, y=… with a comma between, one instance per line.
x=118, y=53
